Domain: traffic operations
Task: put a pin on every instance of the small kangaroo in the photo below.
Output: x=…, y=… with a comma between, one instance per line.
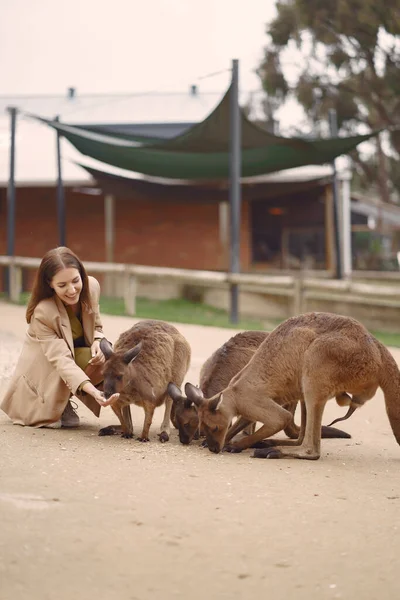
x=145, y=359
x=312, y=357
x=215, y=375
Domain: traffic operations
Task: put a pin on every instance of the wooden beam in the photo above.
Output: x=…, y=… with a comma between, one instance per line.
x=109, y=219
x=224, y=238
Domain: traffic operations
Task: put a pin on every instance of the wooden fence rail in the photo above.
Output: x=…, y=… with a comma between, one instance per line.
x=382, y=290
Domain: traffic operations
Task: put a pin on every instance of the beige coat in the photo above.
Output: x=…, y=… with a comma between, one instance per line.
x=46, y=374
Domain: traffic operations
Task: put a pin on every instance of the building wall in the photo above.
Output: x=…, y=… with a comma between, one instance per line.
x=180, y=235
x=173, y=235
x=35, y=221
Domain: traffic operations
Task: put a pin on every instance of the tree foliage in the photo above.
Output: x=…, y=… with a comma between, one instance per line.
x=350, y=53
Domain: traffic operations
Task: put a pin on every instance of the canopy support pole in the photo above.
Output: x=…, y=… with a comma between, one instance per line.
x=234, y=189
x=335, y=188
x=345, y=179
x=109, y=222
x=11, y=198
x=60, y=193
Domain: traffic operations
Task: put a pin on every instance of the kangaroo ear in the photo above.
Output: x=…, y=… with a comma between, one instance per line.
x=215, y=403
x=194, y=394
x=174, y=392
x=131, y=354
x=106, y=348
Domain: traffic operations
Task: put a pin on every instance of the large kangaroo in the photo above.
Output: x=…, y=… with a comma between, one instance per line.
x=145, y=359
x=215, y=375
x=312, y=357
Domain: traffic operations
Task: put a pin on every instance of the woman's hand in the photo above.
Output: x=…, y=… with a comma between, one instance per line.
x=90, y=389
x=100, y=399
x=98, y=357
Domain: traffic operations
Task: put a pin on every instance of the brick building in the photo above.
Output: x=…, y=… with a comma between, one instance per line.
x=285, y=218
x=151, y=226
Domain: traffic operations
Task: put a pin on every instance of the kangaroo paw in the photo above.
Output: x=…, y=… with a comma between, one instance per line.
x=232, y=449
x=267, y=453
x=127, y=436
x=265, y=444
x=163, y=436
x=110, y=430
x=143, y=439
x=204, y=444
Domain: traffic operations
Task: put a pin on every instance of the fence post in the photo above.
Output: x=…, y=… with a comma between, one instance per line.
x=297, y=295
x=15, y=283
x=130, y=286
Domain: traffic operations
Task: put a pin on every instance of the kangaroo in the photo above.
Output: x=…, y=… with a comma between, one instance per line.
x=145, y=359
x=215, y=375
x=312, y=357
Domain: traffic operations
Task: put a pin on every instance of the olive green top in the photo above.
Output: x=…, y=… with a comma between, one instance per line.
x=82, y=351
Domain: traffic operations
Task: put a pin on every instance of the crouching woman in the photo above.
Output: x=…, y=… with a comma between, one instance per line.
x=61, y=354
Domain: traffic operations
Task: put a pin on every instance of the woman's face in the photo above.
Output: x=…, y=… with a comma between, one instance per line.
x=67, y=284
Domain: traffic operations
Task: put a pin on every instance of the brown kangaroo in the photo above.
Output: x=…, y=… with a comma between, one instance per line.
x=145, y=359
x=312, y=357
x=215, y=375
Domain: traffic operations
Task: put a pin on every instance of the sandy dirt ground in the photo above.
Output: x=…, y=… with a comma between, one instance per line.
x=91, y=517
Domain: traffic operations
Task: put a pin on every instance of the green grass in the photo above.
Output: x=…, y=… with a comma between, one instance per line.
x=179, y=311
x=23, y=299
x=184, y=311
x=389, y=339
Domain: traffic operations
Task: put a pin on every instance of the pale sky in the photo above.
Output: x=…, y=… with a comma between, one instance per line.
x=102, y=46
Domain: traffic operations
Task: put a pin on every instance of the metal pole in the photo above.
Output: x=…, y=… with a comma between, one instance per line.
x=234, y=189
x=345, y=179
x=11, y=196
x=60, y=194
x=335, y=188
x=109, y=222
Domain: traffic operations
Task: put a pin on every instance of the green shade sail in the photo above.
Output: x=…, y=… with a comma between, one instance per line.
x=202, y=152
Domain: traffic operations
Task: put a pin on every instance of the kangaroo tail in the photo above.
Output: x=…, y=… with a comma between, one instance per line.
x=327, y=432
x=346, y=416
x=389, y=381
x=332, y=432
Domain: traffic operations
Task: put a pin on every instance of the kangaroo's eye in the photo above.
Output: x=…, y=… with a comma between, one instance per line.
x=119, y=378
x=215, y=430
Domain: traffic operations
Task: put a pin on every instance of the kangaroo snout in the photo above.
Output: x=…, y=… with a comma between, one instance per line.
x=184, y=439
x=212, y=445
x=108, y=391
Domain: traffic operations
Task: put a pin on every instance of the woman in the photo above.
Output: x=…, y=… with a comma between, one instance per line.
x=61, y=354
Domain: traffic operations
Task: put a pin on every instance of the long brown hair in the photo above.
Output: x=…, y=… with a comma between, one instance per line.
x=52, y=262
